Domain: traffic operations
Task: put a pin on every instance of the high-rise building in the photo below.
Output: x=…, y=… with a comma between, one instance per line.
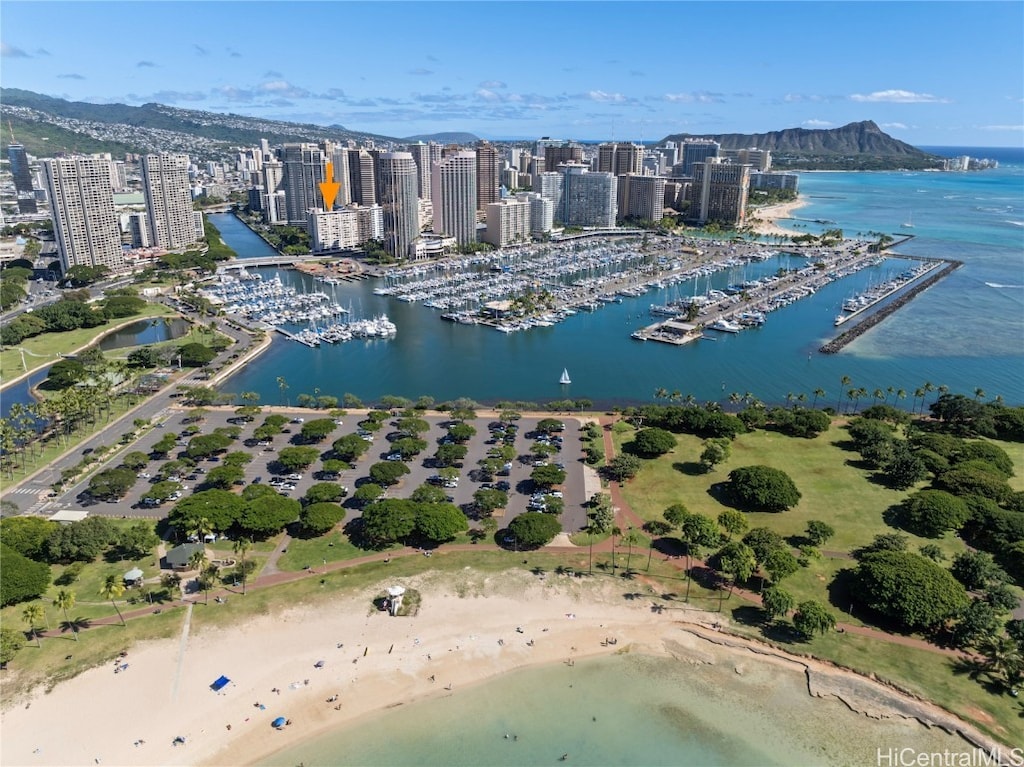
x=620, y=159
x=488, y=169
x=84, y=222
x=508, y=222
x=397, y=187
x=305, y=167
x=642, y=197
x=362, y=177
x=22, y=178
x=774, y=180
x=454, y=194
x=138, y=230
x=339, y=168
x=168, y=200
x=542, y=212
x=425, y=156
x=759, y=159
x=695, y=151
x=719, y=192
x=560, y=154
x=589, y=198
x=549, y=186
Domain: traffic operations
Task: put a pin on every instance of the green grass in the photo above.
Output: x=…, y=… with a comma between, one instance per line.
x=332, y=547
x=834, y=489
x=42, y=350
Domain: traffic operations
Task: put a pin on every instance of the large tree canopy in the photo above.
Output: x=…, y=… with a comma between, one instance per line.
x=534, y=529
x=23, y=579
x=762, y=488
x=912, y=590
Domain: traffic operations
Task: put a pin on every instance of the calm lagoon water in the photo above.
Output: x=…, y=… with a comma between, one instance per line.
x=966, y=332
x=620, y=710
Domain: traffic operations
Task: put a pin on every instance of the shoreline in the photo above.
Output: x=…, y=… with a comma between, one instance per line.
x=769, y=216
x=465, y=635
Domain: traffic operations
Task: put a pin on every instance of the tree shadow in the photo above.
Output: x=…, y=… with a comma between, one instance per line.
x=689, y=468
x=75, y=625
x=841, y=590
x=748, y=615
x=720, y=492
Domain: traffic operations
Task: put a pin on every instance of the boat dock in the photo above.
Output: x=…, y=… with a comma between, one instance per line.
x=870, y=321
x=302, y=340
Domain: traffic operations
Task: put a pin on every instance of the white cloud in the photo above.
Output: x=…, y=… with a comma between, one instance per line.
x=489, y=84
x=896, y=96
x=605, y=97
x=894, y=126
x=817, y=123
x=1002, y=127
x=696, y=97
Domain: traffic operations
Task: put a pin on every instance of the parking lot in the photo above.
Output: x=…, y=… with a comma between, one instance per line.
x=520, y=487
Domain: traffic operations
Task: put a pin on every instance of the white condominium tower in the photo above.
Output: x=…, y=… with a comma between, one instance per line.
x=165, y=183
x=425, y=156
x=453, y=194
x=84, y=221
x=719, y=192
x=397, y=186
x=588, y=199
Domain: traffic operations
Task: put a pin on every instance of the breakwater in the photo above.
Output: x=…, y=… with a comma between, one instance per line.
x=870, y=321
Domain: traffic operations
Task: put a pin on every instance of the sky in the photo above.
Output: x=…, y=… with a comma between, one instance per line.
x=928, y=73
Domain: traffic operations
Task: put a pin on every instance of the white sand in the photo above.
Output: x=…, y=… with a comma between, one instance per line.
x=384, y=661
x=772, y=219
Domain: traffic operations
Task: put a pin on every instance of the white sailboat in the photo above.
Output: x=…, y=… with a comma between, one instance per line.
x=565, y=377
x=909, y=223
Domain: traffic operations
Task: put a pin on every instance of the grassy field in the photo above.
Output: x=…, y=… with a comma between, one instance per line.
x=42, y=350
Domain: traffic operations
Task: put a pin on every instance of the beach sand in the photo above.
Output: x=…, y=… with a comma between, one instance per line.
x=467, y=631
x=772, y=219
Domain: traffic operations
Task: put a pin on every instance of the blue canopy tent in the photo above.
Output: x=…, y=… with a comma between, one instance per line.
x=220, y=684
x=279, y=722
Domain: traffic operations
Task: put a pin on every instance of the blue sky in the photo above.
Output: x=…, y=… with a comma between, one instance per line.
x=929, y=73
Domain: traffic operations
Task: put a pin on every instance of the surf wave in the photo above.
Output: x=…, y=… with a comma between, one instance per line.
x=1015, y=223
x=999, y=285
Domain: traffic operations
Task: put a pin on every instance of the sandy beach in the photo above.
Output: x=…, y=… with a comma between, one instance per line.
x=470, y=628
x=772, y=219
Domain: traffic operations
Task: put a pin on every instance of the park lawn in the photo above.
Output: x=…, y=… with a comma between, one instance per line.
x=42, y=350
x=833, y=490
x=928, y=675
x=334, y=546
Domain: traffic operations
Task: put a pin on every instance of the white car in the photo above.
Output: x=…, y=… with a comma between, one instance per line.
x=295, y=477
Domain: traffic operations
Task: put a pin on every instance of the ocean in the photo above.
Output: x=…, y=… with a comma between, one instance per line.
x=966, y=332
x=621, y=710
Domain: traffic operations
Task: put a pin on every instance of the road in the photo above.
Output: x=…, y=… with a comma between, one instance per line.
x=32, y=495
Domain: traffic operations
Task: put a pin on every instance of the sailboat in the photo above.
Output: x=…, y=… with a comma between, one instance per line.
x=909, y=223
x=565, y=377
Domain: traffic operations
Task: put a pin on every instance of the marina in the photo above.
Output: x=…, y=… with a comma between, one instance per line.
x=270, y=304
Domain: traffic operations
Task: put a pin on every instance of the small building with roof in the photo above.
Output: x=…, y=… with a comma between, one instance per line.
x=178, y=557
x=133, y=577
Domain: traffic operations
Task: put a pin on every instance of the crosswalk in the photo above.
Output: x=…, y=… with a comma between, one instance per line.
x=24, y=490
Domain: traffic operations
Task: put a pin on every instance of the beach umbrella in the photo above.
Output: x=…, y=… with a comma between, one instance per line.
x=279, y=722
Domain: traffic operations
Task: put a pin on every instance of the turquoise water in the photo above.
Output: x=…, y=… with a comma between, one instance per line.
x=966, y=332
x=619, y=710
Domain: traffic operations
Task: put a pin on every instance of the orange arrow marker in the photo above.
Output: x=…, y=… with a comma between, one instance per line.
x=329, y=188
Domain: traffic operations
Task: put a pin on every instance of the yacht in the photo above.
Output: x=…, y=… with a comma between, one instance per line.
x=726, y=326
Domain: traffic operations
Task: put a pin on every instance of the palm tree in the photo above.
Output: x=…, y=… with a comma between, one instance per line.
x=200, y=529
x=876, y=395
x=206, y=579
x=979, y=394
x=32, y=614
x=196, y=562
x=901, y=394
x=65, y=600
x=861, y=392
x=112, y=588
x=819, y=392
x=282, y=386
x=843, y=382
x=616, y=530
x=888, y=393
x=661, y=393
x=241, y=548
x=918, y=392
x=630, y=538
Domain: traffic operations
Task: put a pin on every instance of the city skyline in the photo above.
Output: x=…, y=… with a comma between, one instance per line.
x=928, y=73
